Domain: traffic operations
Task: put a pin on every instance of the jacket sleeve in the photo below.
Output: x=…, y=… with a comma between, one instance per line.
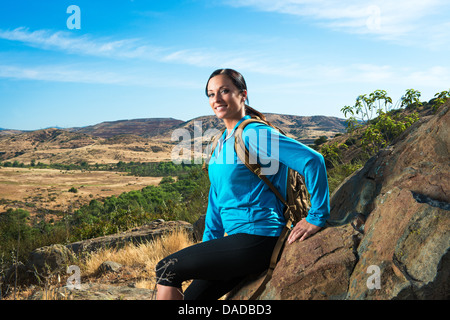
x=301, y=158
x=213, y=222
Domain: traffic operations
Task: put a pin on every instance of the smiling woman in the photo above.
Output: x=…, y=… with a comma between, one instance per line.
x=240, y=204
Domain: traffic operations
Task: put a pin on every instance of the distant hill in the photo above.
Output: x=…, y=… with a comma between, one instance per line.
x=139, y=140
x=302, y=128
x=18, y=144
x=140, y=127
x=4, y=131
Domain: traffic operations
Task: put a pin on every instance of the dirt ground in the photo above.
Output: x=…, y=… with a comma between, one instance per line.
x=47, y=190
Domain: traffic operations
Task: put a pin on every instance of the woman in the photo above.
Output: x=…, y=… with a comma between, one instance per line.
x=240, y=204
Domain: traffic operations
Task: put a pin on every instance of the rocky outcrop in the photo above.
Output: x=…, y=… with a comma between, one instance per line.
x=318, y=268
x=388, y=236
x=137, y=235
x=96, y=291
x=49, y=259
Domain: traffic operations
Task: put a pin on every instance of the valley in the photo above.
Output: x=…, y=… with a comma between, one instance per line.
x=49, y=193
x=45, y=192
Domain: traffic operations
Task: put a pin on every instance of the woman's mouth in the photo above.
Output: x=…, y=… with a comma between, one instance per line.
x=221, y=108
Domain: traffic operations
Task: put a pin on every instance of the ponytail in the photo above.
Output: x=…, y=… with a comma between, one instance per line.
x=255, y=113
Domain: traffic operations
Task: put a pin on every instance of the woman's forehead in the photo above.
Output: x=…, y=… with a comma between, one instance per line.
x=219, y=81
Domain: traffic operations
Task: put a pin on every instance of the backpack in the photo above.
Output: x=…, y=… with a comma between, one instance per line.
x=297, y=200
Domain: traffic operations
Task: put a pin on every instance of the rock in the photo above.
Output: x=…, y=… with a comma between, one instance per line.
x=53, y=258
x=318, y=268
x=109, y=266
x=99, y=291
x=407, y=233
x=95, y=291
x=137, y=235
x=408, y=242
x=400, y=201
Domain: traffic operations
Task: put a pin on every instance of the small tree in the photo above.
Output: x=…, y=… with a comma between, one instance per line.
x=440, y=97
x=411, y=99
x=385, y=127
x=365, y=107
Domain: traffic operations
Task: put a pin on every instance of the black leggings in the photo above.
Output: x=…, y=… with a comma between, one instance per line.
x=217, y=265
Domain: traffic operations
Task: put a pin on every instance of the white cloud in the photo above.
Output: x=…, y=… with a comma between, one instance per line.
x=138, y=49
x=298, y=74
x=90, y=75
x=60, y=74
x=85, y=45
x=432, y=79
x=404, y=21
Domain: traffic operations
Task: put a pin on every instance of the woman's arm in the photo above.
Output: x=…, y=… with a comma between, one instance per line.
x=213, y=222
x=301, y=158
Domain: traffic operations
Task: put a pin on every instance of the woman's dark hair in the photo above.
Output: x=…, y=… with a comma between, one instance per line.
x=239, y=81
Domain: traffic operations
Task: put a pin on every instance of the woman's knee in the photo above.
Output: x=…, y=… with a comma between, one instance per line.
x=166, y=272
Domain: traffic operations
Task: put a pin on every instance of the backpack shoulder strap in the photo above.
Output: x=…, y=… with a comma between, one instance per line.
x=213, y=144
x=244, y=155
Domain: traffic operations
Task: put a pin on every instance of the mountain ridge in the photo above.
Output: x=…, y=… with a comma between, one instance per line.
x=139, y=140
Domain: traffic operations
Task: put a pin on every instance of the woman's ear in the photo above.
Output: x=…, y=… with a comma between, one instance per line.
x=244, y=95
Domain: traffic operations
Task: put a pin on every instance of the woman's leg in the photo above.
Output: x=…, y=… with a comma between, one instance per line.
x=220, y=262
x=168, y=293
x=210, y=289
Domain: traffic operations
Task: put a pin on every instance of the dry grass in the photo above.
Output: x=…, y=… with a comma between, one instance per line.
x=139, y=259
x=138, y=267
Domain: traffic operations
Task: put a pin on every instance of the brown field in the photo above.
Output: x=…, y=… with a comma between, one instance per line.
x=47, y=190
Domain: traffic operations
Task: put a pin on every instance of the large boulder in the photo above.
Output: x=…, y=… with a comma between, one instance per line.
x=317, y=268
x=388, y=236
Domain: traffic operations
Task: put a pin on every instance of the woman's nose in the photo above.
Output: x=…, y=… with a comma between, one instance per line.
x=217, y=97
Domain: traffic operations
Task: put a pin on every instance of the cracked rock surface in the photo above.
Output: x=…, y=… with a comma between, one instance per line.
x=388, y=235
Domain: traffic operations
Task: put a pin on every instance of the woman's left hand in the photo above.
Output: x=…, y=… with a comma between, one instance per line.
x=302, y=230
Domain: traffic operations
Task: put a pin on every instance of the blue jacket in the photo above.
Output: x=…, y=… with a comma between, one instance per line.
x=240, y=202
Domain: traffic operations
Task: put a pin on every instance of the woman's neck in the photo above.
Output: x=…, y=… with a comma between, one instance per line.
x=230, y=123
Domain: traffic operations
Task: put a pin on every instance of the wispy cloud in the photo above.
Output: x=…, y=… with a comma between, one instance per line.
x=368, y=75
x=84, y=45
x=298, y=74
x=90, y=75
x=404, y=21
x=60, y=73
x=138, y=49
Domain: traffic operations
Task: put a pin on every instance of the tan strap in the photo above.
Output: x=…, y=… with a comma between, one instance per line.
x=273, y=261
x=213, y=145
x=244, y=155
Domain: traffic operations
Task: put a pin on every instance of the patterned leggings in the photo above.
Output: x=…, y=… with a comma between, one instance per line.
x=217, y=265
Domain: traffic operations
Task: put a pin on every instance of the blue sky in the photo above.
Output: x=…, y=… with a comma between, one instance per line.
x=143, y=59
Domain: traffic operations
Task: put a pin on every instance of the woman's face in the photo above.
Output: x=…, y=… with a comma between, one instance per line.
x=227, y=102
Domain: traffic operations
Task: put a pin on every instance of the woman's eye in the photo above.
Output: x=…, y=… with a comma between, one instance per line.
x=224, y=91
